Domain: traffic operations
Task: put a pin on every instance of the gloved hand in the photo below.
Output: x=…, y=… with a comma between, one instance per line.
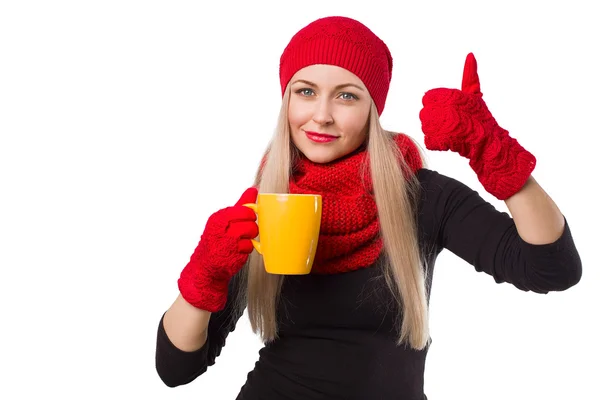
x=459, y=120
x=221, y=253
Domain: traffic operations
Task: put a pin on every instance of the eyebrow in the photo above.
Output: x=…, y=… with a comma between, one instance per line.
x=343, y=85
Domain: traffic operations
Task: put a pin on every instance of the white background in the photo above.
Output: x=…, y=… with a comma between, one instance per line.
x=125, y=124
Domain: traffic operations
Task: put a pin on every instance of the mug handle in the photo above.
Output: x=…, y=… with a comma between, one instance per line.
x=255, y=242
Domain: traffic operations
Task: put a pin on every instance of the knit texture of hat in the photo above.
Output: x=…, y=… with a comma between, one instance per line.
x=343, y=42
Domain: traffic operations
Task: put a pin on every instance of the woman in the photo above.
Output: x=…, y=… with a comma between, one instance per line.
x=357, y=326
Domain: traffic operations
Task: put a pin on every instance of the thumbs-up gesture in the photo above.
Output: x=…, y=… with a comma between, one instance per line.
x=459, y=120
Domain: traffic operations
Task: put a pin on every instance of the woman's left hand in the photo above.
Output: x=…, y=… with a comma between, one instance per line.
x=459, y=120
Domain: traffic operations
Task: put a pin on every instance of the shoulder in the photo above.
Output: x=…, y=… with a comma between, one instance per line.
x=439, y=194
x=432, y=180
x=438, y=187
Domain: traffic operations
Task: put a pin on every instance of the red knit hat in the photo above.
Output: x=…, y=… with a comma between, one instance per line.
x=343, y=42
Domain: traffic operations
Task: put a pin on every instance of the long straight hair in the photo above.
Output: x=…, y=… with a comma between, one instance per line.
x=396, y=194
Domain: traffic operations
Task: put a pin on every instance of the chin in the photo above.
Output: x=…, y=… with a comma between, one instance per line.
x=320, y=159
x=320, y=156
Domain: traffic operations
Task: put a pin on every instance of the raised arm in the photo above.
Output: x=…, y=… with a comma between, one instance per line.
x=461, y=221
x=534, y=250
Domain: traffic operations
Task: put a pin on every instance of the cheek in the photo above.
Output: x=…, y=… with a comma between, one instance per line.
x=354, y=122
x=298, y=114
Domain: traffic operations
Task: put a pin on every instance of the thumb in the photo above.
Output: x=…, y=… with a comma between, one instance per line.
x=470, y=81
x=249, y=196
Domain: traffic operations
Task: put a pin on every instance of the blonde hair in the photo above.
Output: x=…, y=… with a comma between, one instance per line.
x=396, y=198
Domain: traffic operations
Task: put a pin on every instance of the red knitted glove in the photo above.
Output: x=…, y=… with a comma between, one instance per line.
x=221, y=253
x=459, y=120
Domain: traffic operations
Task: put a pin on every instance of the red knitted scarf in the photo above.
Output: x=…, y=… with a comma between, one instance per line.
x=349, y=238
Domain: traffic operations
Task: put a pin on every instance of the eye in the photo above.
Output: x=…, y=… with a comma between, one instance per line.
x=348, y=96
x=305, y=92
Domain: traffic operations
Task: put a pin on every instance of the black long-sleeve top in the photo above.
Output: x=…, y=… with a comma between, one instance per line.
x=337, y=333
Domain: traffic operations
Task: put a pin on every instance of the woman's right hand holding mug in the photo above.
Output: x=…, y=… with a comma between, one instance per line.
x=221, y=253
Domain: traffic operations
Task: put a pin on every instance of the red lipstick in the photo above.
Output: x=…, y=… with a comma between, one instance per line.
x=320, y=137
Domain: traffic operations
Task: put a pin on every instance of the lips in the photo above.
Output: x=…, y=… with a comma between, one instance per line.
x=320, y=137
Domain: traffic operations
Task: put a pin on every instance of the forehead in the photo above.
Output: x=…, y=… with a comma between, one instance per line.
x=327, y=75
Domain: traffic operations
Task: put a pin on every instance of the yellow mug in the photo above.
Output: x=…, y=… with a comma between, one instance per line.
x=288, y=227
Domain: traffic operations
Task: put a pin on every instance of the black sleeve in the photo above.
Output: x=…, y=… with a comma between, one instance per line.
x=474, y=230
x=176, y=367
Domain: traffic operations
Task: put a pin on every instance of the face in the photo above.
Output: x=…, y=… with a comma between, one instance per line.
x=328, y=112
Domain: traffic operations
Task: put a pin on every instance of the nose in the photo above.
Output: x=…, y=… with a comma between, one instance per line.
x=322, y=114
